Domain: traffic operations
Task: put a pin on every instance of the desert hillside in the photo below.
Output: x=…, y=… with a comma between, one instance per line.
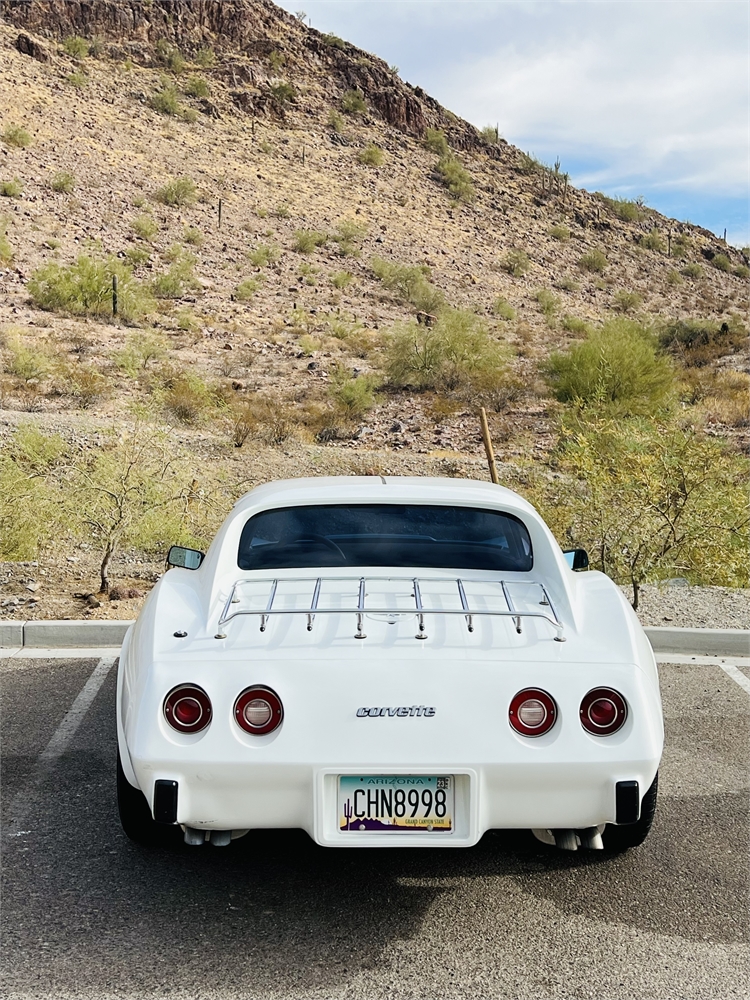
x=320, y=270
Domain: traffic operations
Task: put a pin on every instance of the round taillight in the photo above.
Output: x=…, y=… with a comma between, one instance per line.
x=187, y=708
x=258, y=710
x=603, y=712
x=532, y=712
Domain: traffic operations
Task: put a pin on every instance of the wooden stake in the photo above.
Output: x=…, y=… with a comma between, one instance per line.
x=488, y=446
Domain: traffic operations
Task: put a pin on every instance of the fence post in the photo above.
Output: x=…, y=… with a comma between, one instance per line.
x=488, y=446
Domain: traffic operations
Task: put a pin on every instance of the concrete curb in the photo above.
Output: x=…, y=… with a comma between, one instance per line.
x=84, y=634
x=700, y=641
x=63, y=634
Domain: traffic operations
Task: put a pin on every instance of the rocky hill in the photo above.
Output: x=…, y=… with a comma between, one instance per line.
x=278, y=202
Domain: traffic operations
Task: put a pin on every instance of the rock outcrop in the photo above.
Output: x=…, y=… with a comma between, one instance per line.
x=252, y=29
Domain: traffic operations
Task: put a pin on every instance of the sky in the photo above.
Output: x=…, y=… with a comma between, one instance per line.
x=636, y=97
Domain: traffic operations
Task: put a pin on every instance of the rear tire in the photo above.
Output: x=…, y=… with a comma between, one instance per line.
x=135, y=816
x=617, y=839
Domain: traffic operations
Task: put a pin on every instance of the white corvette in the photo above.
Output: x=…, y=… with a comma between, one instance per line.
x=387, y=662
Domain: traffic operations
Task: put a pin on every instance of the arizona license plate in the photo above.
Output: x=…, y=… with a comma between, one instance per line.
x=395, y=803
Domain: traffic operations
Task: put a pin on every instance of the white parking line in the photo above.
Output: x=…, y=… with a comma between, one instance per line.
x=729, y=664
x=67, y=728
x=23, y=801
x=736, y=675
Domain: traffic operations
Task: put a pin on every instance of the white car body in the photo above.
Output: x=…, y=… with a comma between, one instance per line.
x=455, y=684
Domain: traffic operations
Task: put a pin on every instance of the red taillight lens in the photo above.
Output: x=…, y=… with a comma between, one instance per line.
x=532, y=712
x=258, y=710
x=187, y=709
x=603, y=712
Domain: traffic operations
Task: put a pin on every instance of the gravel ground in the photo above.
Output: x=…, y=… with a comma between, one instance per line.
x=679, y=605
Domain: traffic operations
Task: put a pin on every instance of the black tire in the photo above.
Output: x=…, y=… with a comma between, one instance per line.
x=617, y=839
x=136, y=818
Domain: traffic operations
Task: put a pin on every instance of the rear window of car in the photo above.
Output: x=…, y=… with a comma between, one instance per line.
x=339, y=535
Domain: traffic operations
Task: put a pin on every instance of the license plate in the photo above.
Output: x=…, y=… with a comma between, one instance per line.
x=395, y=803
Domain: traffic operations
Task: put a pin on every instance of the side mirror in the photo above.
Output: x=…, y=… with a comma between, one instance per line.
x=577, y=559
x=178, y=555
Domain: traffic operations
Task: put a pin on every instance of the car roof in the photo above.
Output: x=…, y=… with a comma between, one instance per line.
x=382, y=489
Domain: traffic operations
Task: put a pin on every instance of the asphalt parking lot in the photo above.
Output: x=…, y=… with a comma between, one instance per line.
x=87, y=914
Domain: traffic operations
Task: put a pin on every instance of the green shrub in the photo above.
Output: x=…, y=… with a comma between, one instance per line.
x=17, y=136
x=721, y=262
x=516, y=263
x=188, y=398
x=145, y=227
x=353, y=395
x=28, y=501
x=680, y=245
x=166, y=100
x=197, y=86
x=342, y=279
x=333, y=40
x=282, y=211
x=335, y=121
x=6, y=250
x=83, y=383
x=85, y=289
x=626, y=302
x=136, y=256
x=698, y=342
x=548, y=303
x=193, y=236
x=246, y=289
x=529, y=165
x=77, y=79
x=63, y=182
x=349, y=236
x=616, y=366
x=11, y=189
x=178, y=280
x=76, y=46
x=567, y=284
x=170, y=56
x=178, y=192
x=652, y=241
x=574, y=324
x=436, y=141
x=371, y=155
x=593, y=261
x=353, y=103
x=692, y=271
x=457, y=353
x=410, y=283
x=205, y=58
x=674, y=277
x=283, y=93
x=491, y=134
x=741, y=271
x=263, y=255
x=25, y=360
x=560, y=232
x=651, y=499
x=308, y=240
x=503, y=309
x=140, y=350
x=455, y=177
x=624, y=209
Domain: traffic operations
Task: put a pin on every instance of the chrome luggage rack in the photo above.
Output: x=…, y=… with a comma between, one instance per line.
x=361, y=609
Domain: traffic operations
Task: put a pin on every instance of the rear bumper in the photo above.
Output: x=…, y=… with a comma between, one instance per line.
x=233, y=796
